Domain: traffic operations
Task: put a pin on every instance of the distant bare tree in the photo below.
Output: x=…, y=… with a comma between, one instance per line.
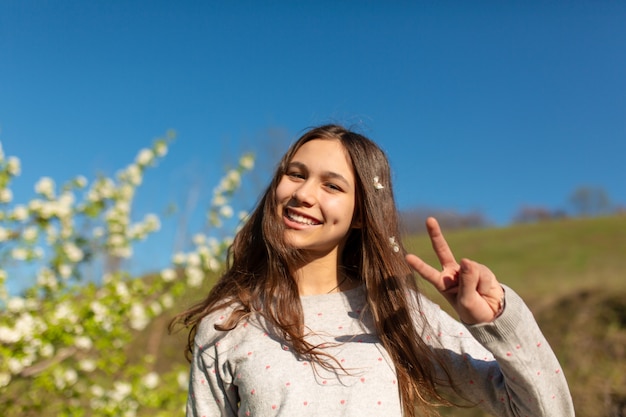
x=413, y=219
x=590, y=201
x=533, y=214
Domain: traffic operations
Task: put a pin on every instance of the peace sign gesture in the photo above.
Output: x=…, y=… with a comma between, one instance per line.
x=471, y=288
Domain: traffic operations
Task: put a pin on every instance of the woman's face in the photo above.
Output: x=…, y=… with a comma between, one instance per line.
x=316, y=197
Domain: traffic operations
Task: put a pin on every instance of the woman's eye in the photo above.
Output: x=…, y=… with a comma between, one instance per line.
x=295, y=175
x=333, y=187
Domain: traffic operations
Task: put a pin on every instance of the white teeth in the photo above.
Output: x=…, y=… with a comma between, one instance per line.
x=301, y=219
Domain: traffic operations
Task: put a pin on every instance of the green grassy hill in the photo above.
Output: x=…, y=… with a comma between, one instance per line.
x=572, y=275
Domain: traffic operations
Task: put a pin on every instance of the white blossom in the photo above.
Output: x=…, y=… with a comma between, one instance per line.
x=226, y=211
x=168, y=275
x=234, y=180
x=30, y=234
x=121, y=390
x=132, y=175
x=6, y=195
x=152, y=222
x=127, y=192
x=213, y=264
x=15, y=366
x=195, y=276
x=83, y=342
x=19, y=254
x=151, y=380
x=122, y=251
x=160, y=149
x=193, y=259
x=47, y=350
x=183, y=380
x=20, y=213
x=64, y=311
x=70, y=376
x=167, y=300
x=52, y=235
x=138, y=317
x=63, y=207
x=218, y=200
x=247, y=161
x=65, y=271
x=179, y=258
x=144, y=157
x=97, y=391
x=81, y=181
x=87, y=365
x=9, y=335
x=73, y=252
x=35, y=205
x=99, y=310
x=156, y=308
x=130, y=412
x=46, y=278
x=13, y=166
x=4, y=234
x=122, y=206
x=122, y=290
x=5, y=379
x=116, y=240
x=16, y=304
x=199, y=239
x=45, y=186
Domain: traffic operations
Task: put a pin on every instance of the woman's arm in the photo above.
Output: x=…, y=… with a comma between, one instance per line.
x=506, y=367
x=211, y=393
x=499, y=358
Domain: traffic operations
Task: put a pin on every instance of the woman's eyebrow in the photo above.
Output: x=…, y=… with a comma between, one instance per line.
x=335, y=176
x=296, y=164
x=325, y=174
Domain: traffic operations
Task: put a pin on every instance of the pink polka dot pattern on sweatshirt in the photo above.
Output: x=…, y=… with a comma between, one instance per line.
x=276, y=379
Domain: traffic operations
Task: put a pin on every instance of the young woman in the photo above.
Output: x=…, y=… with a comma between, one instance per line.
x=319, y=314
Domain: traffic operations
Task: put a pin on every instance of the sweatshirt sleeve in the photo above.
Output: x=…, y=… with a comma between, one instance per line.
x=507, y=366
x=211, y=392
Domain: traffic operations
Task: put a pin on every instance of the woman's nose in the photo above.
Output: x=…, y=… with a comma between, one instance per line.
x=304, y=194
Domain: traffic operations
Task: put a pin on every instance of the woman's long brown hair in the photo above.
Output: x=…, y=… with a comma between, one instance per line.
x=258, y=279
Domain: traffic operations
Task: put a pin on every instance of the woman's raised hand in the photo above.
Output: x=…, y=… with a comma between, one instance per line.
x=471, y=288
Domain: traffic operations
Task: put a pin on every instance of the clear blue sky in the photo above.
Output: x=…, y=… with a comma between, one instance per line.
x=485, y=105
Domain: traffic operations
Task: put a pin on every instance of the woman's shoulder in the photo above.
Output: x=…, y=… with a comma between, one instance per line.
x=207, y=334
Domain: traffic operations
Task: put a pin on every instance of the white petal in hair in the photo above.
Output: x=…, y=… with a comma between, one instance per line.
x=377, y=183
x=394, y=244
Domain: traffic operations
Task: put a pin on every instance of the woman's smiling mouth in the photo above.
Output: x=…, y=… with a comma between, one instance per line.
x=301, y=219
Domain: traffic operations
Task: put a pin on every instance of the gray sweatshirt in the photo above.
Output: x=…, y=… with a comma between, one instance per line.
x=506, y=367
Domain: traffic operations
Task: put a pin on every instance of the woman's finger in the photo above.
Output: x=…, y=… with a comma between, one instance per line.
x=426, y=271
x=439, y=244
x=446, y=281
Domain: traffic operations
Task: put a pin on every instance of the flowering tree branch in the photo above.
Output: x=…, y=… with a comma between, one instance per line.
x=64, y=334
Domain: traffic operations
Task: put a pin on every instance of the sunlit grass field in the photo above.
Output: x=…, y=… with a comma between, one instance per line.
x=544, y=261
x=571, y=273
